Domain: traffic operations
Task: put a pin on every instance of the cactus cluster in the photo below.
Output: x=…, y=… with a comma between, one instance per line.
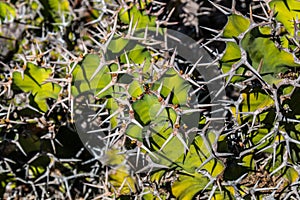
x=261, y=66
x=103, y=100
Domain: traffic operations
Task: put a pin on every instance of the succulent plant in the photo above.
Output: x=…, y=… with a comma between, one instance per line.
x=258, y=62
x=104, y=100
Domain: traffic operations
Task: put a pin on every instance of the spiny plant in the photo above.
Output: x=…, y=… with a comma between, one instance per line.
x=260, y=64
x=40, y=40
x=144, y=112
x=146, y=100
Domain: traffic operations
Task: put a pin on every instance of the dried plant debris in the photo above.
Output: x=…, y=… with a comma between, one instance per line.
x=149, y=99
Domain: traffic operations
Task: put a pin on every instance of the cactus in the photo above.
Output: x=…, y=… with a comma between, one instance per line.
x=263, y=58
x=145, y=120
x=149, y=102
